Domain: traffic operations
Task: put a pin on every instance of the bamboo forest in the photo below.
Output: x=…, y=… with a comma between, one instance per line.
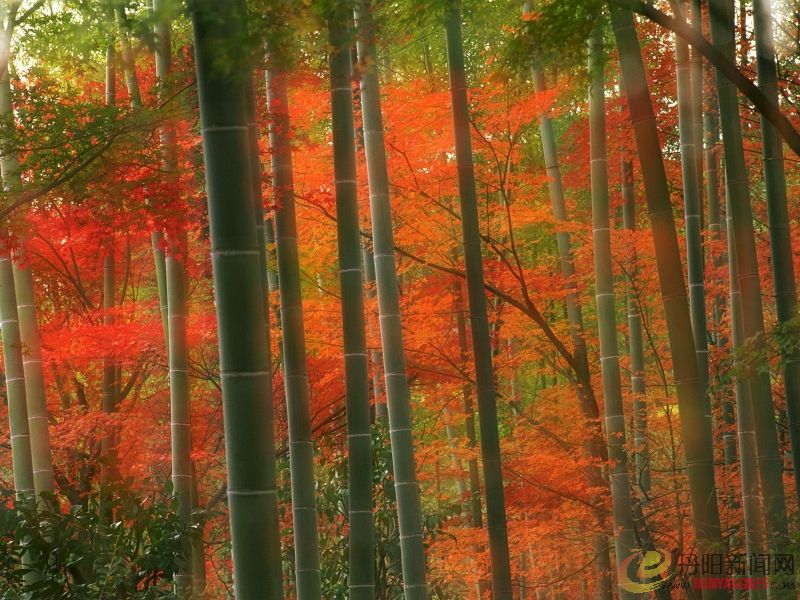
x=399, y=299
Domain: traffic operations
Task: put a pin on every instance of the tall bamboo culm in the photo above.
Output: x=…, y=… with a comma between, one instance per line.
x=190, y=579
x=770, y=463
x=692, y=203
x=479, y=324
x=26, y=309
x=621, y=507
x=238, y=283
x=641, y=441
x=778, y=218
x=21, y=460
x=110, y=388
x=295, y=376
x=745, y=430
x=361, y=581
x=398, y=397
x=595, y=445
x=697, y=439
x=128, y=59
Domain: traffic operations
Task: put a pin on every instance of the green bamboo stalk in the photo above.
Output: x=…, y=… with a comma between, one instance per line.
x=159, y=258
x=696, y=70
x=187, y=582
x=238, y=283
x=34, y=379
x=127, y=56
x=692, y=200
x=636, y=347
x=110, y=389
x=479, y=324
x=711, y=135
x=469, y=411
x=128, y=59
x=272, y=267
x=690, y=391
x=770, y=463
x=180, y=412
x=621, y=508
x=21, y=459
x=275, y=579
x=18, y=426
x=362, y=546
x=295, y=376
x=778, y=219
x=28, y=325
x=595, y=444
x=375, y=357
x=394, y=363
x=745, y=429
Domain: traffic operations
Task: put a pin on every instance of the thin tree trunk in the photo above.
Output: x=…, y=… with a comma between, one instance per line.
x=469, y=411
x=394, y=363
x=696, y=70
x=110, y=396
x=636, y=348
x=361, y=582
x=295, y=376
x=692, y=200
x=187, y=582
x=770, y=462
x=378, y=390
x=128, y=59
x=240, y=303
x=274, y=588
x=595, y=445
x=621, y=507
x=479, y=325
x=778, y=218
x=748, y=464
x=697, y=439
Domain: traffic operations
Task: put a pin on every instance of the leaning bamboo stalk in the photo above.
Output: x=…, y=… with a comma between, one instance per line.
x=21, y=460
x=698, y=445
x=778, y=219
x=770, y=461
